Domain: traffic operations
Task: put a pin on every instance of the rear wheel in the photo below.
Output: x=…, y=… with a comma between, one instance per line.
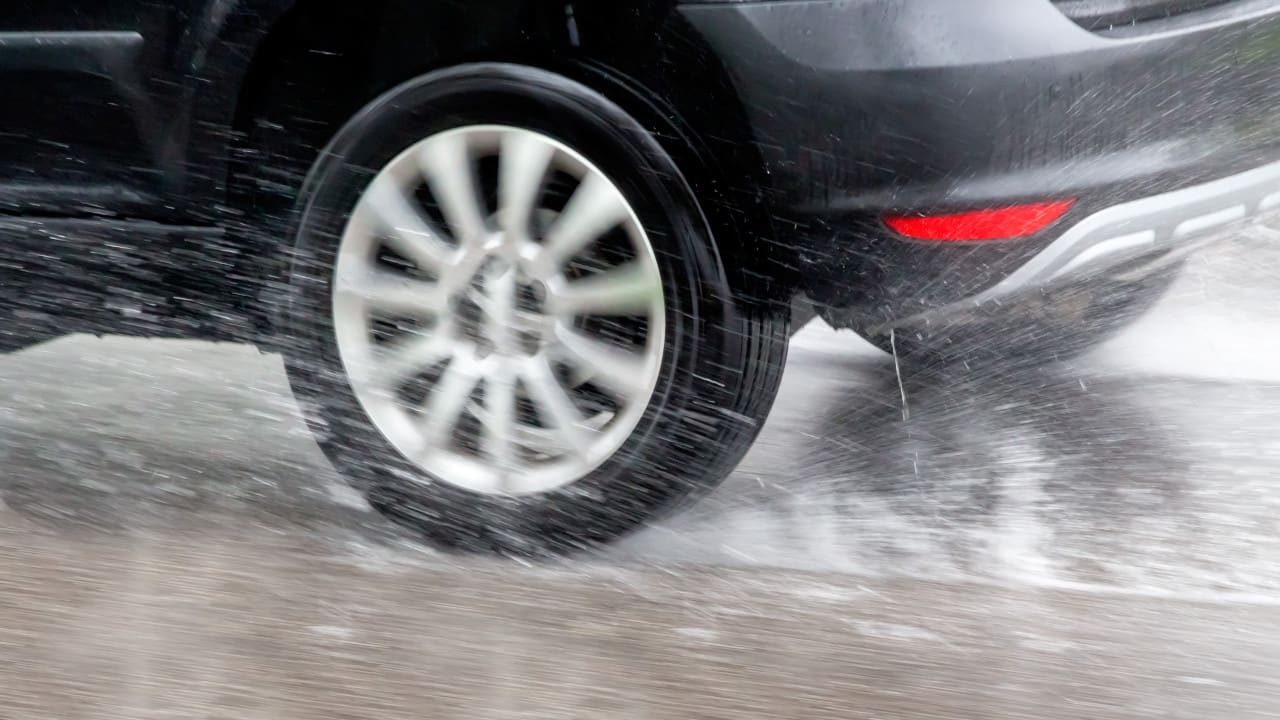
x=509, y=321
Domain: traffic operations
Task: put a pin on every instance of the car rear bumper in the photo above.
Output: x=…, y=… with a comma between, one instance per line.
x=1157, y=228
x=1165, y=222
x=929, y=106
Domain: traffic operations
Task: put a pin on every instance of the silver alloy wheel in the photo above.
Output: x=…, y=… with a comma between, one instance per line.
x=499, y=310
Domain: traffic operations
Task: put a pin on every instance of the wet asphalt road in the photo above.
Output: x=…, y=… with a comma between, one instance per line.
x=1098, y=538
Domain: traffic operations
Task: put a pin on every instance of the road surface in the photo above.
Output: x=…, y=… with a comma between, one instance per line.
x=1094, y=539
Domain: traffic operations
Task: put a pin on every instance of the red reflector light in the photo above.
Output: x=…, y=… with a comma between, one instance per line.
x=994, y=224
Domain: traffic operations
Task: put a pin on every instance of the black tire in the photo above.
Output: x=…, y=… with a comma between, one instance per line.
x=720, y=369
x=1058, y=323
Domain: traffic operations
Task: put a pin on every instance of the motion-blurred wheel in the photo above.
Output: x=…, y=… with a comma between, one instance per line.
x=509, y=322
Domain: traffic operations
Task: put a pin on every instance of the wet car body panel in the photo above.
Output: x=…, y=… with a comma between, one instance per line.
x=827, y=113
x=863, y=106
x=930, y=105
x=121, y=108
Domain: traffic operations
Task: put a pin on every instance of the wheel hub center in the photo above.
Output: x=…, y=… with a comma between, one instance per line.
x=508, y=315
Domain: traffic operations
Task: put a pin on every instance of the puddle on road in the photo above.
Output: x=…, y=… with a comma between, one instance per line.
x=1151, y=466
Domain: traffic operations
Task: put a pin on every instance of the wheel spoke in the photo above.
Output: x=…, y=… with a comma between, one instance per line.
x=389, y=368
x=524, y=163
x=446, y=163
x=500, y=300
x=595, y=208
x=500, y=308
x=409, y=232
x=536, y=439
x=627, y=289
x=619, y=371
x=500, y=407
x=394, y=293
x=555, y=405
x=443, y=408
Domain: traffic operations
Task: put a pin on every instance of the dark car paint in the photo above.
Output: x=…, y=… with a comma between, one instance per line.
x=116, y=159
x=122, y=170
x=862, y=107
x=121, y=107
x=937, y=104
x=128, y=107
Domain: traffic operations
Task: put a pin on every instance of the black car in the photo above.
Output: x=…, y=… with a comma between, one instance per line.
x=532, y=265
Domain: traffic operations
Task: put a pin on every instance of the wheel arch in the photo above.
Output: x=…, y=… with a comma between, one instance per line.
x=321, y=60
